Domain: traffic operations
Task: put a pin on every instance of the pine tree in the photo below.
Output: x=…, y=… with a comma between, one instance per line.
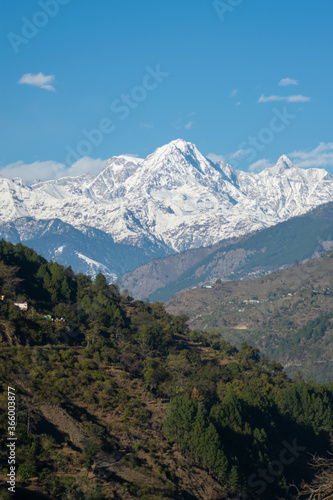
x=212, y=447
x=197, y=441
x=100, y=282
x=234, y=477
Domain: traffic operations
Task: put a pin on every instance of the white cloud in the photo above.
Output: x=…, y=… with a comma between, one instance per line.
x=238, y=103
x=215, y=158
x=287, y=81
x=38, y=80
x=83, y=166
x=260, y=165
x=321, y=156
x=289, y=98
x=189, y=125
x=240, y=153
x=43, y=170
x=298, y=98
x=131, y=155
x=146, y=125
x=46, y=170
x=234, y=92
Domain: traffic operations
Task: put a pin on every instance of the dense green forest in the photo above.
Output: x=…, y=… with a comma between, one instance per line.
x=118, y=399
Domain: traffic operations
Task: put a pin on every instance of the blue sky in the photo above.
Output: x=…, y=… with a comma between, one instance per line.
x=244, y=80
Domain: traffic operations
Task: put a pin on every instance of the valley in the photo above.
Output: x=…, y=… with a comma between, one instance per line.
x=287, y=314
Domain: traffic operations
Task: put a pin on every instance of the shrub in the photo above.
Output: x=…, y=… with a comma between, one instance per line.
x=26, y=471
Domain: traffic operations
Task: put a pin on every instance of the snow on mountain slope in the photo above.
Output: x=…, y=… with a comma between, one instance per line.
x=110, y=182
x=65, y=187
x=13, y=195
x=176, y=197
x=95, y=267
x=85, y=249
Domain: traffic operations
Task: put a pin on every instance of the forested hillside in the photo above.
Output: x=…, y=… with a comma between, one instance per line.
x=118, y=399
x=286, y=314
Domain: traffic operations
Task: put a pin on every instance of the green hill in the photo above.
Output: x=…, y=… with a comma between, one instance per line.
x=117, y=399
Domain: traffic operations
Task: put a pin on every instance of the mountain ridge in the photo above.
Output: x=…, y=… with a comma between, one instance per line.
x=174, y=186
x=87, y=250
x=300, y=238
x=174, y=200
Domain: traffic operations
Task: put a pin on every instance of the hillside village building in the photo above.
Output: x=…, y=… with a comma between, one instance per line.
x=21, y=305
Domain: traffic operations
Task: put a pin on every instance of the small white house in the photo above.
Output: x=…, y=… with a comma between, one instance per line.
x=21, y=305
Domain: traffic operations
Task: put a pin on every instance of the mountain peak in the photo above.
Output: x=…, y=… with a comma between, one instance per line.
x=182, y=144
x=284, y=160
x=174, y=151
x=177, y=145
x=282, y=165
x=128, y=158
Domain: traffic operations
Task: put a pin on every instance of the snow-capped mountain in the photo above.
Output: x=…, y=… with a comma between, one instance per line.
x=174, y=199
